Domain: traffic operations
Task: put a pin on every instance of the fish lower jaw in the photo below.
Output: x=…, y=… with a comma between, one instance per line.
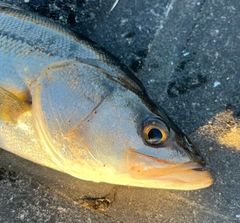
x=188, y=176
x=182, y=180
x=187, y=179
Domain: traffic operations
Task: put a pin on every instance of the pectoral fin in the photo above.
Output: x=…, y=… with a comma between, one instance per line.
x=11, y=106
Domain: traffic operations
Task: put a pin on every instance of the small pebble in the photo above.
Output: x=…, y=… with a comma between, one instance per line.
x=151, y=81
x=216, y=83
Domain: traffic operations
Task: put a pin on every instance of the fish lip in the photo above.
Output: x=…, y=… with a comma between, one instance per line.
x=185, y=176
x=185, y=179
x=158, y=168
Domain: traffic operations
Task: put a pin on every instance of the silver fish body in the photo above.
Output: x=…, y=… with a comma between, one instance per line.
x=68, y=105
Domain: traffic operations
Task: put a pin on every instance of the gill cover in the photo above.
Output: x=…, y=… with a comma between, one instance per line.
x=62, y=100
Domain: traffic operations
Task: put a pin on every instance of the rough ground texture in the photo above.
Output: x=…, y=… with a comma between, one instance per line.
x=187, y=55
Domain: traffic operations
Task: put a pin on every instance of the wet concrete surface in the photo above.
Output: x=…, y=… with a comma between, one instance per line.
x=187, y=55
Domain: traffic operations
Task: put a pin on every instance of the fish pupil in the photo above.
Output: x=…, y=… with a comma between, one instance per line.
x=154, y=135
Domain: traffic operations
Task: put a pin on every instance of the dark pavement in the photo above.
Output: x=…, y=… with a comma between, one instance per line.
x=187, y=53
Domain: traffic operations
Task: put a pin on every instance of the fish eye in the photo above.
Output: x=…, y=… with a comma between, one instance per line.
x=155, y=132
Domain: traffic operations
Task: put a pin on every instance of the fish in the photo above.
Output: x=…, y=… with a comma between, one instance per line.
x=67, y=104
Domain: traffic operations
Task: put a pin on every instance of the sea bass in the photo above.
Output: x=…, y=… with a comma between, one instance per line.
x=67, y=104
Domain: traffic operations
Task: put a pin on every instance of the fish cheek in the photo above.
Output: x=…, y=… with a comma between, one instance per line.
x=107, y=134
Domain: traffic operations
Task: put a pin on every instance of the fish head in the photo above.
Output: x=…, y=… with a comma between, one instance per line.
x=143, y=146
x=103, y=131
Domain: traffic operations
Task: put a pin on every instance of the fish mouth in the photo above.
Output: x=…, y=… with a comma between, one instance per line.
x=184, y=176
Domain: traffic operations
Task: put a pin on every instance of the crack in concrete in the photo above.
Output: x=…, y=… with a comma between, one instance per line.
x=174, y=55
x=168, y=7
x=199, y=16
